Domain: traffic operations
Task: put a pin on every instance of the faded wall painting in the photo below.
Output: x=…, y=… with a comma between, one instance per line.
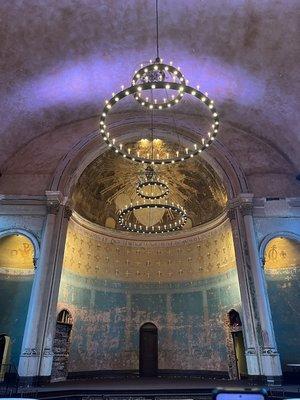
x=282, y=269
x=183, y=288
x=109, y=183
x=16, y=277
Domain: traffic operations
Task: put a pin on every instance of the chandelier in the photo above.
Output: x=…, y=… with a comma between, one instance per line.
x=159, y=87
x=158, y=90
x=151, y=187
x=152, y=192
x=172, y=225
x=137, y=89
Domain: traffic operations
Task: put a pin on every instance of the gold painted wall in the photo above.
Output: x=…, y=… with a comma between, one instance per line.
x=211, y=254
x=16, y=251
x=282, y=253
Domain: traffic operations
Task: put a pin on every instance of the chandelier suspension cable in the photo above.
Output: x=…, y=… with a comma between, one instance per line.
x=157, y=46
x=152, y=127
x=179, y=144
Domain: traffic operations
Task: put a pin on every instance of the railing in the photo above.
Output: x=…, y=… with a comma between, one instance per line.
x=9, y=380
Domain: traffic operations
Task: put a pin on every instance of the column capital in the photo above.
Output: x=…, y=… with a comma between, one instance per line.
x=68, y=212
x=243, y=202
x=53, y=207
x=246, y=208
x=231, y=213
x=54, y=200
x=52, y=195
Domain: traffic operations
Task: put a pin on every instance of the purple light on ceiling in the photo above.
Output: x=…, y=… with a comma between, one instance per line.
x=93, y=79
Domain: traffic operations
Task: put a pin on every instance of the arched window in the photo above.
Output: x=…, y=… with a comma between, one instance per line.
x=64, y=317
x=234, y=319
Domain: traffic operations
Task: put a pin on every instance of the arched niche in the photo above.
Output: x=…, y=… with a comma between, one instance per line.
x=88, y=149
x=19, y=250
x=148, y=349
x=30, y=236
x=280, y=252
x=100, y=300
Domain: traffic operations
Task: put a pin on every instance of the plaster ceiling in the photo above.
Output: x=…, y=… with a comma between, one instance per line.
x=109, y=183
x=61, y=59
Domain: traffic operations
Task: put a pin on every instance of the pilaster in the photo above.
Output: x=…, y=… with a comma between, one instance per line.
x=246, y=291
x=253, y=290
x=36, y=355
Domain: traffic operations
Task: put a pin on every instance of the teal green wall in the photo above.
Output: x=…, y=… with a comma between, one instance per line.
x=108, y=314
x=14, y=299
x=284, y=296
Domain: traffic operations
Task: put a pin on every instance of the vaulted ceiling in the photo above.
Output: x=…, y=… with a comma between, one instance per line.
x=61, y=59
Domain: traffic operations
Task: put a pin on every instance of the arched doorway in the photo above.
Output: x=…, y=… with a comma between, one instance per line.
x=148, y=350
x=61, y=346
x=238, y=347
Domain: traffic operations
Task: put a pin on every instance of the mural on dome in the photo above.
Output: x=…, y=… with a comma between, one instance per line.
x=109, y=183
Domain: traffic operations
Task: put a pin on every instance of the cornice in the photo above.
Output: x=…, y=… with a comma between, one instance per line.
x=22, y=200
x=135, y=240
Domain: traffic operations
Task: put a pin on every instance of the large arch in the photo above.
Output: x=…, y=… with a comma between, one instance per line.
x=88, y=149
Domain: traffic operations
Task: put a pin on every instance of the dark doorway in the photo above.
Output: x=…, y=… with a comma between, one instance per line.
x=238, y=343
x=239, y=350
x=148, y=350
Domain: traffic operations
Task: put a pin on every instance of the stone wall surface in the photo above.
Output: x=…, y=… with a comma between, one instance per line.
x=61, y=348
x=110, y=294
x=107, y=317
